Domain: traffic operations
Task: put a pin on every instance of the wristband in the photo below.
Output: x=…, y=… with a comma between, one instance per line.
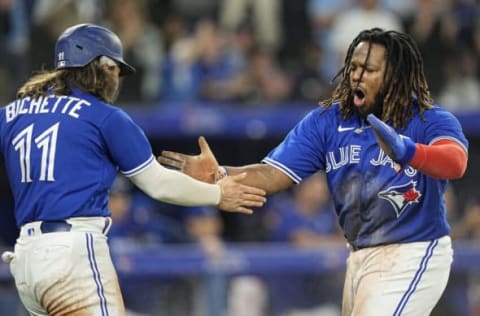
x=221, y=173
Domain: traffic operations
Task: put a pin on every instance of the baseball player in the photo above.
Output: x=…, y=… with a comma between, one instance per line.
x=388, y=153
x=62, y=142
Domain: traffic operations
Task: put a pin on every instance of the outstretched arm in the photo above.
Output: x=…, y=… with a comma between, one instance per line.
x=204, y=167
x=444, y=159
x=262, y=176
x=174, y=187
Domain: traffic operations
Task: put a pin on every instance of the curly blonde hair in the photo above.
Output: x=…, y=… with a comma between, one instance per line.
x=89, y=78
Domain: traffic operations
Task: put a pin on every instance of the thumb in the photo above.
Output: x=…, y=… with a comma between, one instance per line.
x=373, y=120
x=205, y=148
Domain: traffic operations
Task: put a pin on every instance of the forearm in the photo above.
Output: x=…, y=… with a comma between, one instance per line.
x=174, y=187
x=262, y=176
x=444, y=159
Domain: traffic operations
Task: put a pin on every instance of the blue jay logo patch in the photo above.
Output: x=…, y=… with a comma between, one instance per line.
x=401, y=196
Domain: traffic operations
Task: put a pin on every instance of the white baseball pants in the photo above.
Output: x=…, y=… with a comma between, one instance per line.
x=67, y=273
x=398, y=279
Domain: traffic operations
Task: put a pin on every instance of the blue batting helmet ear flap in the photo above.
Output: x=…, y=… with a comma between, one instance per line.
x=80, y=44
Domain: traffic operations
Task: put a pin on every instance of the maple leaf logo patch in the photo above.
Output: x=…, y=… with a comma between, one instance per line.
x=401, y=196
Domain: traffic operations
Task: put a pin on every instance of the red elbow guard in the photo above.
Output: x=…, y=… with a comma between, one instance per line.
x=444, y=159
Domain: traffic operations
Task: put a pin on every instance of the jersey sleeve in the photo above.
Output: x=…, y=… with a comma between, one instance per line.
x=440, y=125
x=302, y=152
x=127, y=143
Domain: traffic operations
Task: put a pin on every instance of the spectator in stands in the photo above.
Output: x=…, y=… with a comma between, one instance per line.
x=461, y=90
x=205, y=228
x=307, y=219
x=266, y=16
x=469, y=229
x=194, y=11
x=50, y=18
x=322, y=15
x=181, y=74
x=309, y=84
x=142, y=45
x=193, y=295
x=223, y=65
x=141, y=222
x=296, y=33
x=135, y=217
x=455, y=300
x=434, y=29
x=468, y=226
x=367, y=14
x=14, y=33
x=270, y=84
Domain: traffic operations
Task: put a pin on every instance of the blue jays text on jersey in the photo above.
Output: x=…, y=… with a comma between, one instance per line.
x=62, y=154
x=376, y=201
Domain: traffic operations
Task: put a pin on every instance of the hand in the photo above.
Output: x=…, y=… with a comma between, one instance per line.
x=202, y=167
x=398, y=147
x=237, y=197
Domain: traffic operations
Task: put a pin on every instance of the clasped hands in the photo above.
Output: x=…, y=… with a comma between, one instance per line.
x=236, y=197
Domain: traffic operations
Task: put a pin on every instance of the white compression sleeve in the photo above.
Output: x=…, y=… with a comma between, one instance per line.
x=174, y=187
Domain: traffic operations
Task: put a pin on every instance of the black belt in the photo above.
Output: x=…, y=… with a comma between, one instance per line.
x=55, y=226
x=62, y=226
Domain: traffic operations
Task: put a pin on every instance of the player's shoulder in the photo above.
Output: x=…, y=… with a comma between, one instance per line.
x=100, y=108
x=436, y=113
x=323, y=112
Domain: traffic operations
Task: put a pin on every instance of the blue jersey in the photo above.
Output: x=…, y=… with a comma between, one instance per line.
x=62, y=154
x=376, y=203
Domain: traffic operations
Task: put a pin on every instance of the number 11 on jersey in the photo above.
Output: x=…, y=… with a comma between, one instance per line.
x=46, y=142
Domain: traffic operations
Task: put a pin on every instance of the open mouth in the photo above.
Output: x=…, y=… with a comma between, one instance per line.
x=358, y=97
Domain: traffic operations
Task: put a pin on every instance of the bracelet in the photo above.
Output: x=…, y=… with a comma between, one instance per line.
x=221, y=173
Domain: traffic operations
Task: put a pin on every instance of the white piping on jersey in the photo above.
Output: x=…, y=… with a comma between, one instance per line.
x=292, y=175
x=138, y=169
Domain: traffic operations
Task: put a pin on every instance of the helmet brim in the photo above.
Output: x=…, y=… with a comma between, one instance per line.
x=126, y=69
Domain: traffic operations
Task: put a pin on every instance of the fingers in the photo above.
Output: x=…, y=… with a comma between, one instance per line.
x=172, y=159
x=173, y=155
x=244, y=210
x=253, y=191
x=253, y=200
x=167, y=161
x=237, y=197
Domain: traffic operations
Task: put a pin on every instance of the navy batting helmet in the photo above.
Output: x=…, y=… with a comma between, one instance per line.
x=80, y=44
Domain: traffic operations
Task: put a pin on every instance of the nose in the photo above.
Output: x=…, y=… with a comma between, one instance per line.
x=356, y=74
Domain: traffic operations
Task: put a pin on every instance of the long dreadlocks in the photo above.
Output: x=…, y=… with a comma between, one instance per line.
x=404, y=77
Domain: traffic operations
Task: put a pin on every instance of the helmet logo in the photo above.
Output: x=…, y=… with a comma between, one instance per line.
x=61, y=59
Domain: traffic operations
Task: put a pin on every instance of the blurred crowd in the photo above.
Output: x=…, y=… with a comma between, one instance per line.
x=249, y=52
x=259, y=52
